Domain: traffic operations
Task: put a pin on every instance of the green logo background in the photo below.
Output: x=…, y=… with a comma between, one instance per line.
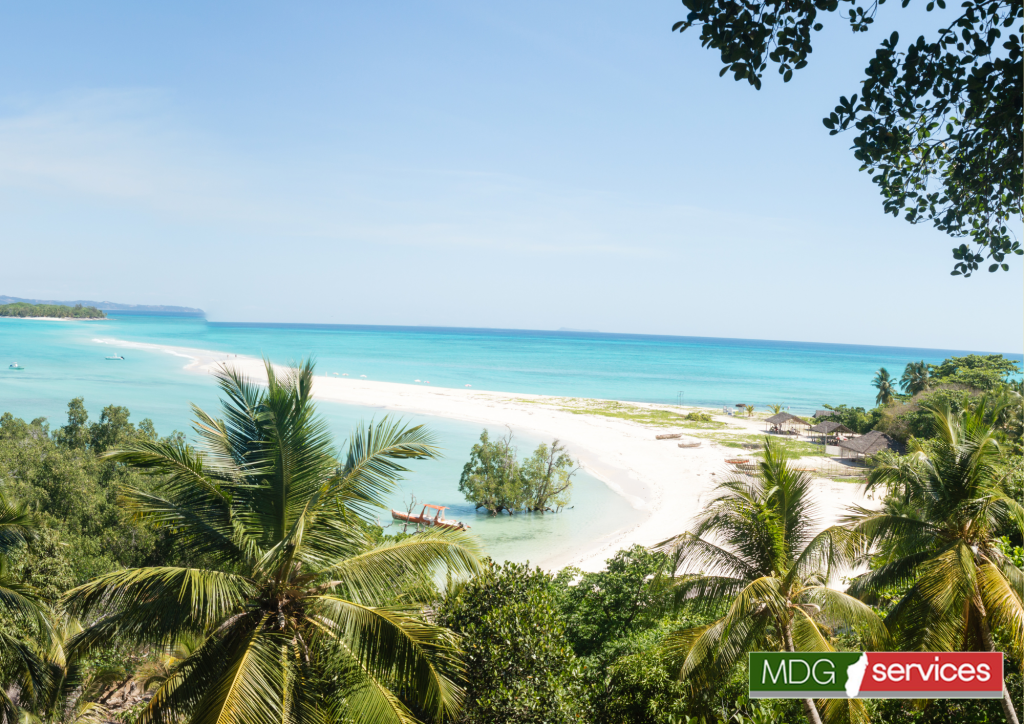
x=798, y=675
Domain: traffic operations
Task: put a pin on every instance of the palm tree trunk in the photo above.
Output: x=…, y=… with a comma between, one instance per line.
x=1008, y=711
x=809, y=708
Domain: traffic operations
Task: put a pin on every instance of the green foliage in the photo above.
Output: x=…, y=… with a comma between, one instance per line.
x=883, y=382
x=937, y=538
x=856, y=418
x=626, y=597
x=915, y=378
x=23, y=309
x=982, y=372
x=638, y=689
x=938, y=122
x=520, y=669
x=495, y=479
x=946, y=711
x=639, y=414
x=756, y=563
x=75, y=494
x=698, y=416
x=908, y=419
x=299, y=614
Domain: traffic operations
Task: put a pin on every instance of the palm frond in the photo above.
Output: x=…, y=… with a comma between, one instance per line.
x=251, y=688
x=806, y=634
x=1003, y=603
x=840, y=610
x=17, y=524
x=395, y=647
x=379, y=574
x=373, y=465
x=156, y=604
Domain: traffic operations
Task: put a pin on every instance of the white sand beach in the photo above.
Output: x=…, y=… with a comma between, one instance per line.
x=668, y=483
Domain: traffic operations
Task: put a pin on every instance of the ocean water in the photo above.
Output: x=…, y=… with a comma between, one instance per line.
x=63, y=360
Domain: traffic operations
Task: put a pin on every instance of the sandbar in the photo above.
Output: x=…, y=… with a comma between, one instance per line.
x=668, y=483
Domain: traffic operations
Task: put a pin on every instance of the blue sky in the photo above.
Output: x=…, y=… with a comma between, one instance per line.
x=527, y=165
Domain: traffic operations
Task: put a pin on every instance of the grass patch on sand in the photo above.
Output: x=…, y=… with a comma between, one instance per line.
x=639, y=414
x=795, y=449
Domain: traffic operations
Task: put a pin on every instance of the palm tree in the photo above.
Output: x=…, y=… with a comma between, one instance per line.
x=915, y=378
x=302, y=614
x=935, y=541
x=72, y=689
x=884, y=383
x=26, y=674
x=776, y=409
x=749, y=409
x=753, y=556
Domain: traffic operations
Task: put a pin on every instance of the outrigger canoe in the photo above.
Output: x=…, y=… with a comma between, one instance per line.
x=437, y=519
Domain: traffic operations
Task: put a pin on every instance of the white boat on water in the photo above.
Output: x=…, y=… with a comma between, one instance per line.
x=118, y=357
x=15, y=366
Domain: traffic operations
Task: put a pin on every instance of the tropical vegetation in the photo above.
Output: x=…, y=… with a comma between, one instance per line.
x=22, y=309
x=883, y=382
x=244, y=576
x=938, y=120
x=756, y=563
x=936, y=542
x=496, y=480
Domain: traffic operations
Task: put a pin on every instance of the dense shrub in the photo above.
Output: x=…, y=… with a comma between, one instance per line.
x=520, y=667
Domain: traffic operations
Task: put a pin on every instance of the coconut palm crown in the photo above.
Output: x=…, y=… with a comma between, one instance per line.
x=885, y=385
x=300, y=614
x=755, y=557
x=915, y=378
x=21, y=667
x=935, y=541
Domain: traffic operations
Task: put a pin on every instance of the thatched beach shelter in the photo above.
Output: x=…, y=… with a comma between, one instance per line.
x=830, y=427
x=869, y=444
x=785, y=420
x=823, y=413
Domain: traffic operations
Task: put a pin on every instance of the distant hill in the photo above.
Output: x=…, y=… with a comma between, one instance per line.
x=108, y=306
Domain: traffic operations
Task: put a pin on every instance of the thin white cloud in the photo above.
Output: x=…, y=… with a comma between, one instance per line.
x=128, y=148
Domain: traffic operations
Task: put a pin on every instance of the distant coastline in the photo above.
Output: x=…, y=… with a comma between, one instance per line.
x=22, y=310
x=107, y=306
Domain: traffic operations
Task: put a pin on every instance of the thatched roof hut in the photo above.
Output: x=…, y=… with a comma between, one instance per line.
x=869, y=444
x=831, y=427
x=823, y=413
x=784, y=418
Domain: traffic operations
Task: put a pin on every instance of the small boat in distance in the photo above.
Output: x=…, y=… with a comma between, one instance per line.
x=15, y=366
x=424, y=519
x=116, y=356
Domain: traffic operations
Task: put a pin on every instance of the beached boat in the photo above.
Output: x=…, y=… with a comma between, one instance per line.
x=437, y=519
x=738, y=461
x=690, y=444
x=669, y=436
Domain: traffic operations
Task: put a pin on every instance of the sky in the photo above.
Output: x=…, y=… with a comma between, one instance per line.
x=528, y=165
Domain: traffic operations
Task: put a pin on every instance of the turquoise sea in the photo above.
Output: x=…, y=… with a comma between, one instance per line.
x=63, y=360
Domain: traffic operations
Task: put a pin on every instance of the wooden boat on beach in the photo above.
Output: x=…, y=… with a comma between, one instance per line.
x=436, y=520
x=669, y=436
x=738, y=461
x=690, y=444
